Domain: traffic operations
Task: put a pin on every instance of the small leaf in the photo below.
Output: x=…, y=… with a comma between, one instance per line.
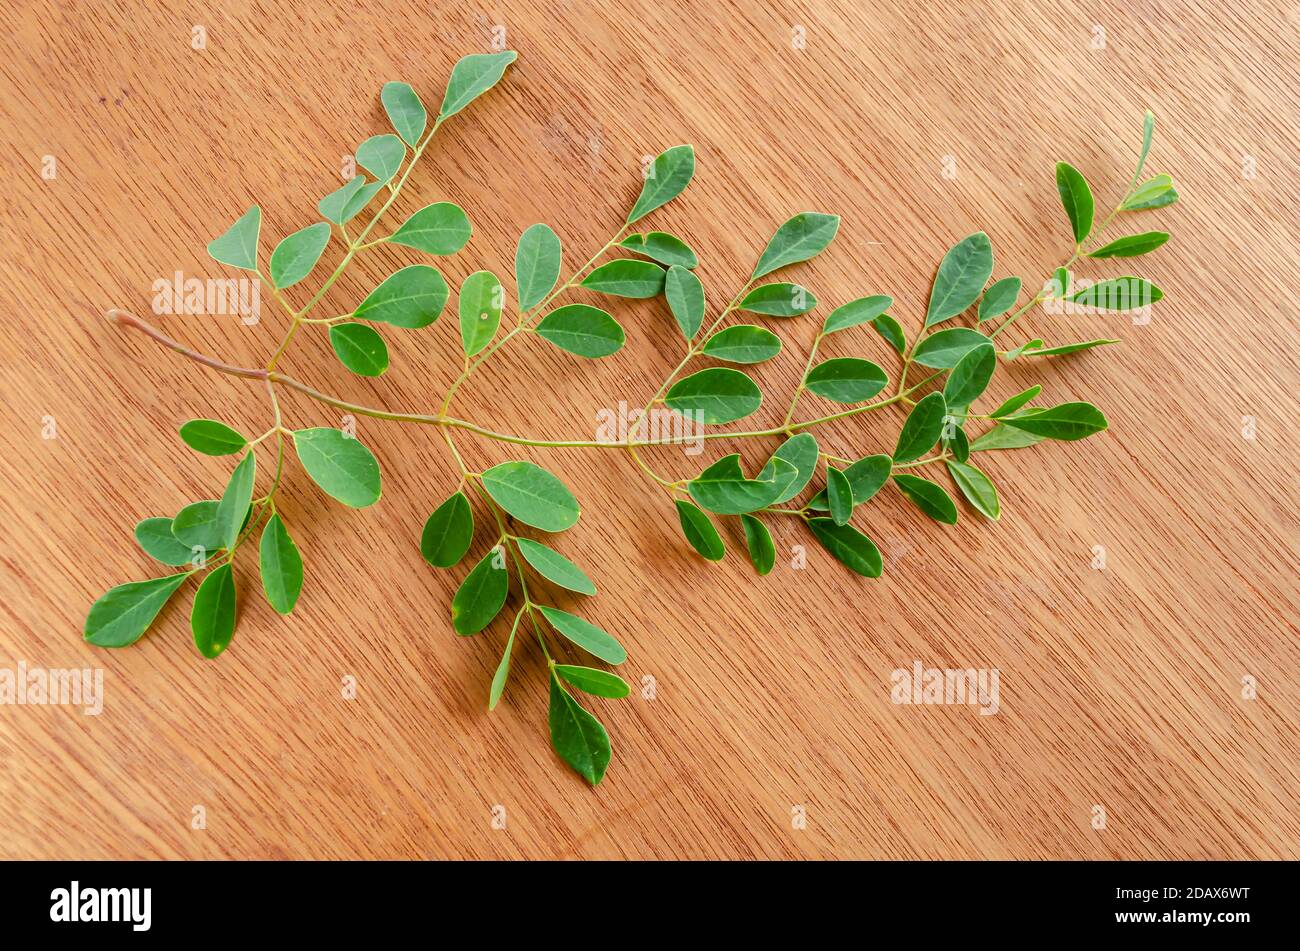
x=798, y=239
x=577, y=736
x=405, y=111
x=1035, y=348
x=554, y=567
x=124, y=613
x=864, y=310
x=211, y=437
x=481, y=595
x=472, y=76
x=1165, y=197
x=956, y=442
x=800, y=451
x=626, y=277
x=758, y=541
x=743, y=343
x=381, y=156
x=600, y=683
x=537, y=265
x=481, y=299
x=1148, y=133
x=700, y=531
x=779, y=300
x=660, y=246
x=340, y=206
x=213, y=617
x=929, y=497
x=582, y=329
x=1152, y=190
x=922, y=429
x=585, y=634
x=233, y=507
x=865, y=476
x=340, y=465
x=1066, y=422
x=960, y=279
x=295, y=256
x=666, y=178
x=1076, y=197
x=943, y=350
x=412, y=297
x=503, y=669
x=156, y=539
x=281, y=566
x=359, y=348
x=723, y=488
x=846, y=379
x=685, y=296
x=848, y=546
x=999, y=298
x=717, y=395
x=891, y=331
x=1061, y=282
x=440, y=228
x=1120, y=293
x=238, y=246
x=1004, y=437
x=977, y=487
x=532, y=495
x=1017, y=401
x=970, y=377
x=1130, y=246
x=448, y=532
x=839, y=495
x=196, y=527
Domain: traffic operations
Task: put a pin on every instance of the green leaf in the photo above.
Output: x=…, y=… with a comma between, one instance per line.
x=1017, y=401
x=472, y=76
x=238, y=246
x=743, y=343
x=481, y=595
x=922, y=429
x=601, y=683
x=800, y=451
x=1061, y=282
x=196, y=526
x=405, y=111
x=891, y=331
x=929, y=497
x=577, y=736
x=943, y=350
x=956, y=442
x=626, y=277
x=340, y=465
x=448, y=532
x=1066, y=422
x=779, y=300
x=717, y=395
x=359, y=199
x=865, y=476
x=660, y=246
x=295, y=256
x=1148, y=133
x=554, y=567
x=999, y=298
x=281, y=565
x=532, y=495
x=700, y=531
x=798, y=239
x=977, y=487
x=839, y=495
x=970, y=377
x=340, y=206
x=233, y=507
x=758, y=541
x=213, y=617
x=481, y=299
x=960, y=279
x=685, y=296
x=1153, y=189
x=124, y=613
x=156, y=539
x=1119, y=293
x=1035, y=348
x=1004, y=437
x=211, y=437
x=1165, y=197
x=381, y=156
x=846, y=379
x=537, y=265
x=440, y=228
x=1076, y=197
x=666, y=178
x=1130, y=246
x=864, y=310
x=848, y=546
x=585, y=634
x=359, y=348
x=503, y=669
x=723, y=488
x=412, y=297
x=582, y=329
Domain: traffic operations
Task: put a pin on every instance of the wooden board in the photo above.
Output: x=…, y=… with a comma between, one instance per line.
x=1121, y=688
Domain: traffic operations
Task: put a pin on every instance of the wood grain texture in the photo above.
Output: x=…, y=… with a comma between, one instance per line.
x=1119, y=687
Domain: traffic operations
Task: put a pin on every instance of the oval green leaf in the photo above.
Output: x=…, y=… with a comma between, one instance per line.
x=238, y=246
x=685, y=296
x=1130, y=246
x=929, y=497
x=1066, y=422
x=554, y=567
x=960, y=279
x=440, y=228
x=970, y=377
x=213, y=617
x=412, y=297
x=196, y=527
x=1076, y=197
x=798, y=239
x=532, y=495
x=405, y=111
x=359, y=348
x=1120, y=293
x=472, y=76
x=999, y=298
x=537, y=265
x=848, y=546
x=585, y=634
x=211, y=437
x=839, y=495
x=666, y=178
x=846, y=379
x=892, y=332
x=799, y=451
x=481, y=595
x=977, y=488
x=124, y=613
x=743, y=343
x=700, y=531
x=381, y=156
x=779, y=300
x=943, y=350
x=280, y=564
x=577, y=736
x=759, y=544
x=583, y=330
x=233, y=507
x=715, y=396
x=448, y=532
x=295, y=256
x=481, y=299
x=340, y=465
x=660, y=246
x=600, y=683
x=922, y=429
x=857, y=312
x=626, y=277
x=156, y=539
x=865, y=476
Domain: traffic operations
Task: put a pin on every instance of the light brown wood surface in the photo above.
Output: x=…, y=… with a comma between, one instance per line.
x=1120, y=687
